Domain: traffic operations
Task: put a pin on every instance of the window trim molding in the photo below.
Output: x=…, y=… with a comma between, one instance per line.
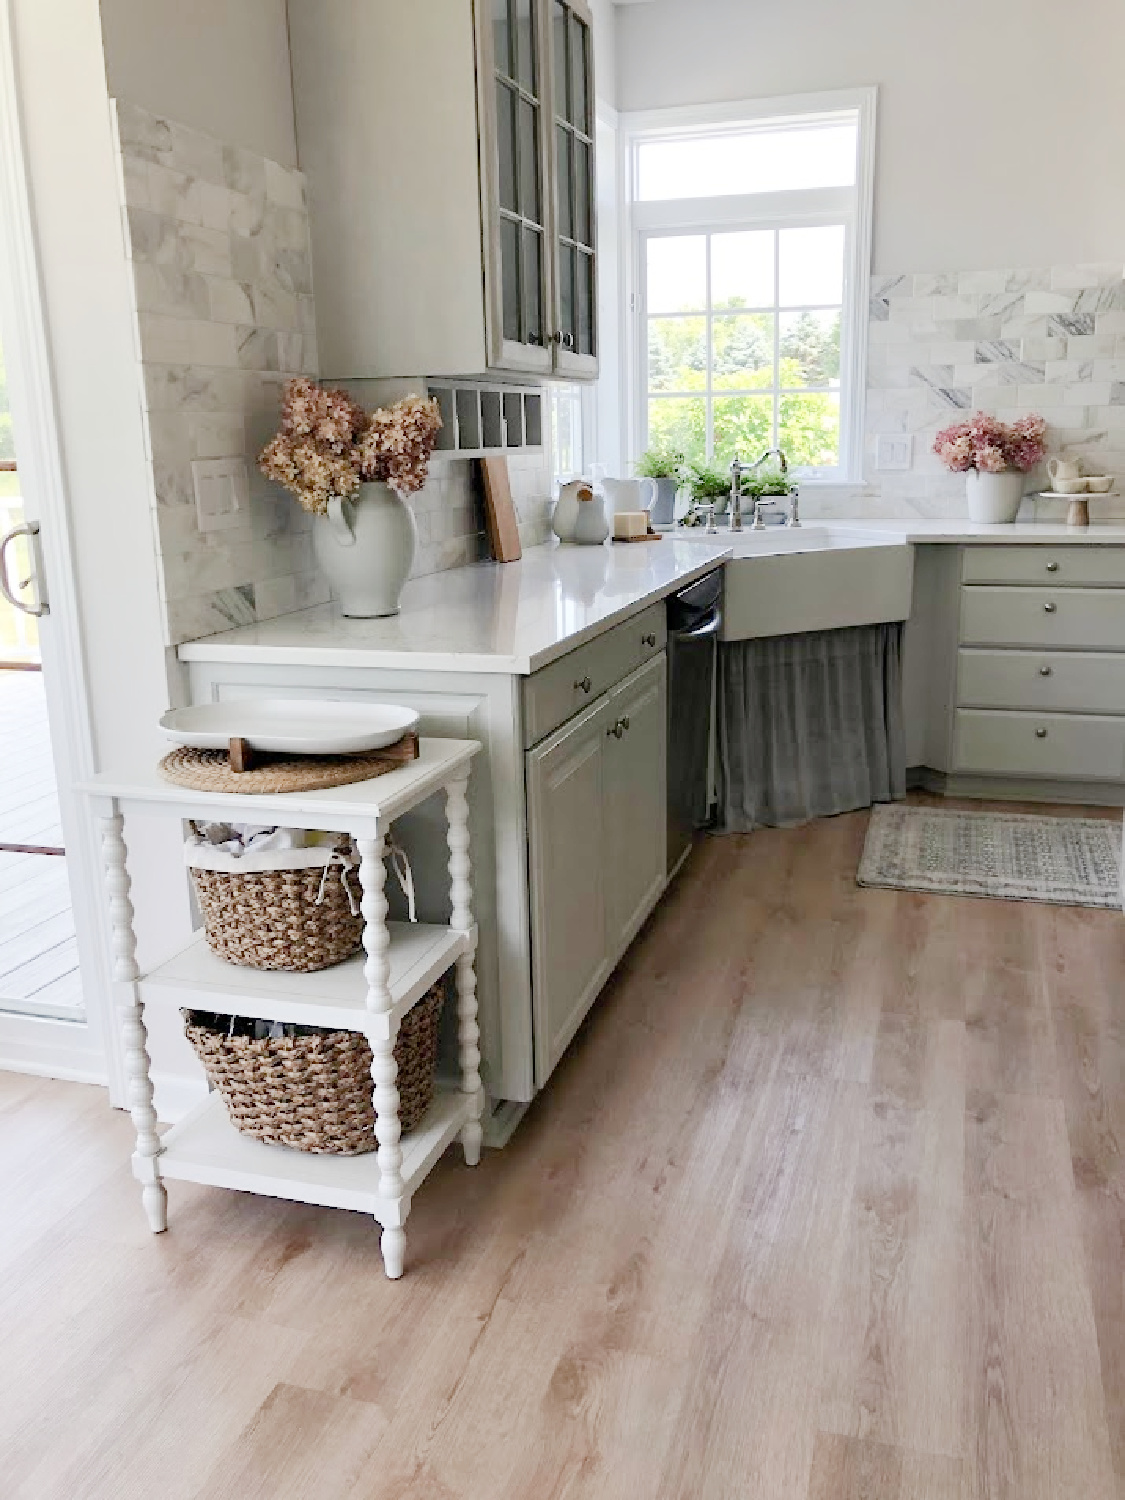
x=856, y=209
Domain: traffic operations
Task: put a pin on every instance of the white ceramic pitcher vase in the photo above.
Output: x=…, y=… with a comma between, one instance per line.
x=366, y=547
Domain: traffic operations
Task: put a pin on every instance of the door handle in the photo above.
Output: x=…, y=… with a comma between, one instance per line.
x=29, y=529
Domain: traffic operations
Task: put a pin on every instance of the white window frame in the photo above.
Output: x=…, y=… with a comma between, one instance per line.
x=851, y=206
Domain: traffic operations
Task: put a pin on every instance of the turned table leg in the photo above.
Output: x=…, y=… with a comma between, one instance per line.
x=461, y=898
x=146, y=1164
x=384, y=1069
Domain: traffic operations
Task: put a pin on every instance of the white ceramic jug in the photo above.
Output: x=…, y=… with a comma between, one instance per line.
x=1063, y=468
x=592, y=527
x=630, y=494
x=564, y=517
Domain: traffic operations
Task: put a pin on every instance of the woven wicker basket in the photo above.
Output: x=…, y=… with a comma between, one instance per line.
x=314, y=1092
x=292, y=919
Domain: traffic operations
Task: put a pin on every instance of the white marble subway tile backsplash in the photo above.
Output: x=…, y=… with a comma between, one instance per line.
x=1050, y=340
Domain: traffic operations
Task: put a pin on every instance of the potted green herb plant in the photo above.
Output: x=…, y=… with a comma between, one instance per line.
x=666, y=467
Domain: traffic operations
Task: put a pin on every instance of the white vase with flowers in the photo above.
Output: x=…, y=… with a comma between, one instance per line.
x=352, y=470
x=994, y=456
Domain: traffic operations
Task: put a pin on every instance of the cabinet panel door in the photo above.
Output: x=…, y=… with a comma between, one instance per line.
x=636, y=813
x=574, y=218
x=570, y=956
x=515, y=127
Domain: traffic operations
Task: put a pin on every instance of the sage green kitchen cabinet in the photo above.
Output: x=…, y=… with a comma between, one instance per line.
x=597, y=827
x=448, y=150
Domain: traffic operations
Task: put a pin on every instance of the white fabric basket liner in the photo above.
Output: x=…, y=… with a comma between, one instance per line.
x=207, y=857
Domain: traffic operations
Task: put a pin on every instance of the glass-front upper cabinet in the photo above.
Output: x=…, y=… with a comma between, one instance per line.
x=537, y=172
x=575, y=330
x=516, y=166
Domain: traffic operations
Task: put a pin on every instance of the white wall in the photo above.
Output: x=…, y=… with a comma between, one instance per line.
x=1002, y=122
x=221, y=67
x=72, y=173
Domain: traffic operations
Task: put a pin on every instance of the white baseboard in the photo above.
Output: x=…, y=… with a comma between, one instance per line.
x=50, y=1048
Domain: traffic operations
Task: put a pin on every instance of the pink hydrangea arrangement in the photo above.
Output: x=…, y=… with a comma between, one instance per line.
x=328, y=445
x=990, y=446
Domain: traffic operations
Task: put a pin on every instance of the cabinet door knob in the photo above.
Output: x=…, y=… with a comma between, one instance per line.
x=618, y=729
x=1052, y=567
x=1040, y=734
x=583, y=684
x=1049, y=609
x=565, y=339
x=624, y=721
x=648, y=640
x=1044, y=671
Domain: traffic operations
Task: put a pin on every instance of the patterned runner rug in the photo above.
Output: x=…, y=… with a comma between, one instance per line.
x=1015, y=856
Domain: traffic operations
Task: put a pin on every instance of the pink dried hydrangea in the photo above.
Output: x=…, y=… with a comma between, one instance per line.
x=328, y=445
x=991, y=446
x=397, y=444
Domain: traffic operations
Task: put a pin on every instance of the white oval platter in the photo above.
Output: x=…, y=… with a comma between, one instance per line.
x=297, y=726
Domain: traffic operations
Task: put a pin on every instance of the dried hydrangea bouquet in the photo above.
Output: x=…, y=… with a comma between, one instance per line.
x=352, y=469
x=994, y=456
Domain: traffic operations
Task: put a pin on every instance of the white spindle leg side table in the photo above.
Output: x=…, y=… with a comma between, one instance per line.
x=369, y=993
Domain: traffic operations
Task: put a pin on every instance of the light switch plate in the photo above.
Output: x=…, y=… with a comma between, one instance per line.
x=894, y=451
x=222, y=492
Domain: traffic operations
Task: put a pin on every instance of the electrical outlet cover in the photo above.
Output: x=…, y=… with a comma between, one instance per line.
x=894, y=451
x=222, y=492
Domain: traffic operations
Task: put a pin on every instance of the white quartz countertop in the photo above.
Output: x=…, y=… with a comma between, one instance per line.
x=511, y=618
x=1044, y=533
x=514, y=618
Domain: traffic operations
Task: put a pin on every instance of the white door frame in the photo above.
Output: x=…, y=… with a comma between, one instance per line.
x=88, y=1050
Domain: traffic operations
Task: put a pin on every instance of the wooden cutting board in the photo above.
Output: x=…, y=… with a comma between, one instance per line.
x=499, y=512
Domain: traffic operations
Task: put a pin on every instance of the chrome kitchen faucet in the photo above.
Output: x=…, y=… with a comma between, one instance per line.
x=737, y=470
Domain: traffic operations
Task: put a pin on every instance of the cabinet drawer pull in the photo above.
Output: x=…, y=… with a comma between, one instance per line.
x=1049, y=609
x=1052, y=567
x=1040, y=734
x=1045, y=671
x=649, y=639
x=618, y=729
x=583, y=684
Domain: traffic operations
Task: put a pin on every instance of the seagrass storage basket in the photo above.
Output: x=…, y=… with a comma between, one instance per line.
x=312, y=1090
x=299, y=913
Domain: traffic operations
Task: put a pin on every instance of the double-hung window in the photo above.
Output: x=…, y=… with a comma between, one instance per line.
x=751, y=236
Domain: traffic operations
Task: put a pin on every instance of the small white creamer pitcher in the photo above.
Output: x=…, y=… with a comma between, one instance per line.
x=629, y=494
x=1063, y=468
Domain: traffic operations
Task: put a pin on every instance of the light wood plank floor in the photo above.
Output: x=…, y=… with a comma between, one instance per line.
x=827, y=1202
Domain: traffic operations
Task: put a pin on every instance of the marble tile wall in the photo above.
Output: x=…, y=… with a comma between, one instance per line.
x=219, y=249
x=449, y=510
x=219, y=252
x=1011, y=342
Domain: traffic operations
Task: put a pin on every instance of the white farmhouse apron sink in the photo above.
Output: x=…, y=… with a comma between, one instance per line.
x=784, y=580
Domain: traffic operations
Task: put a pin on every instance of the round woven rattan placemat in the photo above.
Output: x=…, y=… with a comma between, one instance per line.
x=209, y=771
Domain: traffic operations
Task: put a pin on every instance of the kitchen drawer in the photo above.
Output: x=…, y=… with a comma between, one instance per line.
x=1063, y=618
x=1082, y=567
x=1063, y=746
x=557, y=692
x=1065, y=681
